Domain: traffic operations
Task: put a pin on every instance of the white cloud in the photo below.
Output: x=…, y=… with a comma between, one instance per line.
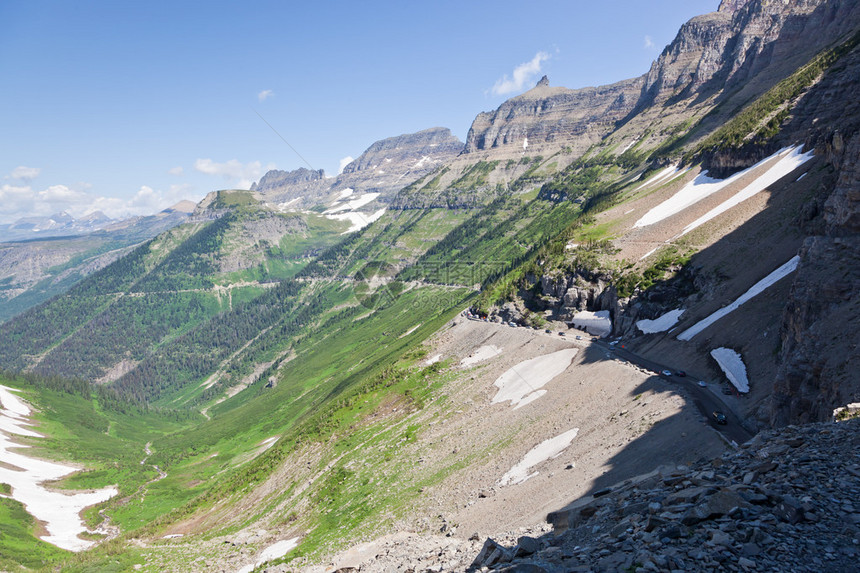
x=343, y=163
x=21, y=201
x=239, y=174
x=523, y=75
x=178, y=170
x=265, y=94
x=649, y=43
x=24, y=173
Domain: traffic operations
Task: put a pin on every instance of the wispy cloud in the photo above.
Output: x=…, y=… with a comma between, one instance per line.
x=24, y=173
x=344, y=162
x=239, y=174
x=265, y=94
x=178, y=170
x=522, y=75
x=649, y=43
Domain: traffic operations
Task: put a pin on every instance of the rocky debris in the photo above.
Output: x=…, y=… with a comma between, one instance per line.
x=784, y=501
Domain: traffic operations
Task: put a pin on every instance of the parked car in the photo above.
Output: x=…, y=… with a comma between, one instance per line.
x=681, y=373
x=561, y=334
x=720, y=418
x=666, y=372
x=727, y=391
x=578, y=337
x=702, y=383
x=548, y=331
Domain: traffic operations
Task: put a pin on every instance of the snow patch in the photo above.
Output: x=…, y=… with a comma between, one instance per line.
x=546, y=450
x=628, y=146
x=648, y=254
x=274, y=551
x=703, y=186
x=788, y=163
x=357, y=221
x=357, y=203
x=668, y=172
x=596, y=323
x=410, y=331
x=58, y=510
x=754, y=290
x=433, y=360
x=523, y=383
x=345, y=193
x=660, y=324
x=483, y=353
x=730, y=362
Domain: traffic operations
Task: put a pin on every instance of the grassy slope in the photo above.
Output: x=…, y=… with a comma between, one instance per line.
x=108, y=443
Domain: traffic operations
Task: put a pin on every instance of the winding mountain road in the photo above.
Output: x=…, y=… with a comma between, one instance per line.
x=706, y=401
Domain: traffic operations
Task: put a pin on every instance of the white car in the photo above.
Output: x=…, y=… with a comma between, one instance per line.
x=702, y=383
x=666, y=372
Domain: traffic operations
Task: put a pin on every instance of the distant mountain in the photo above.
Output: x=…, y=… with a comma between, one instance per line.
x=384, y=168
x=41, y=257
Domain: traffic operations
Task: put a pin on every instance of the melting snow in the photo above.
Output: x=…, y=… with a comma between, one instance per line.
x=757, y=288
x=546, y=450
x=58, y=510
x=596, y=323
x=345, y=193
x=357, y=220
x=357, y=203
x=731, y=363
x=788, y=163
x=433, y=359
x=668, y=172
x=525, y=143
x=703, y=186
x=524, y=382
x=274, y=551
x=660, y=324
x=628, y=146
x=483, y=353
x=648, y=254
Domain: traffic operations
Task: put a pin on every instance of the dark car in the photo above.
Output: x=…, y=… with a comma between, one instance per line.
x=727, y=391
x=681, y=373
x=720, y=418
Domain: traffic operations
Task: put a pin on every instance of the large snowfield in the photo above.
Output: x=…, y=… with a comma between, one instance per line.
x=754, y=290
x=546, y=450
x=703, y=186
x=59, y=511
x=524, y=382
x=791, y=159
x=733, y=366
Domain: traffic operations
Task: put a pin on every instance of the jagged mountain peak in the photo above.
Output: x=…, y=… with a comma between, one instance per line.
x=732, y=5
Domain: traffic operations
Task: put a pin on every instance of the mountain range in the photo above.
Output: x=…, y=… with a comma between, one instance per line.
x=630, y=310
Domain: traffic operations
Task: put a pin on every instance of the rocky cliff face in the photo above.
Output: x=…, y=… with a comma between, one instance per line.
x=554, y=116
x=407, y=151
x=385, y=167
x=725, y=50
x=820, y=358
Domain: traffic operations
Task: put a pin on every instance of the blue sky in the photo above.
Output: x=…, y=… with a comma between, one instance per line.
x=131, y=106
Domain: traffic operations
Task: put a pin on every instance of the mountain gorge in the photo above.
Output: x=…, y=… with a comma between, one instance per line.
x=448, y=342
